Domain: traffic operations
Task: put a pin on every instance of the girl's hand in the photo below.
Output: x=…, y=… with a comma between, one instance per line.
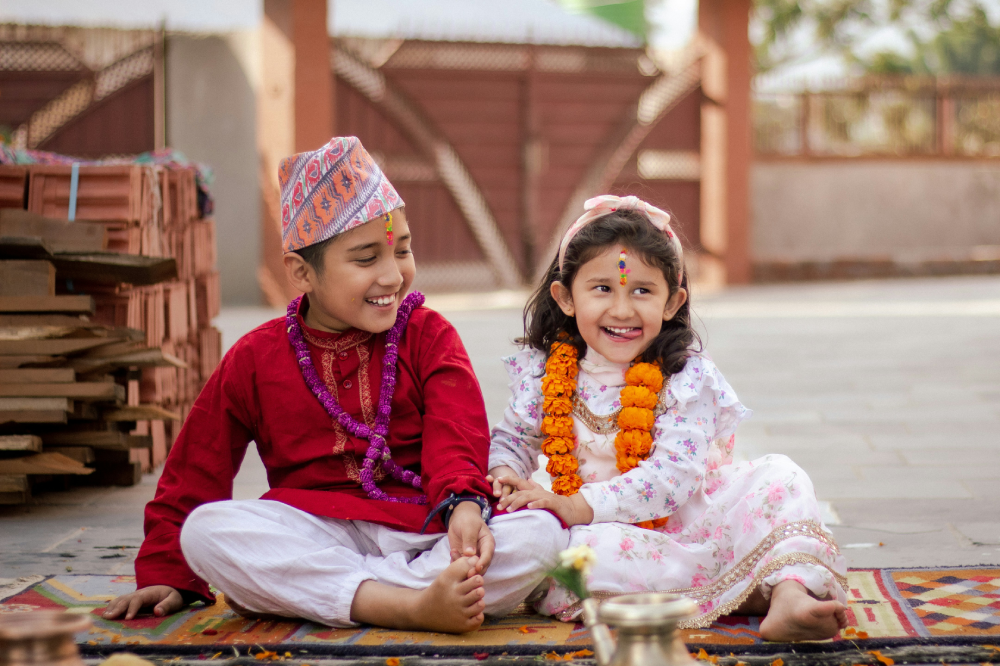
x=501, y=490
x=573, y=510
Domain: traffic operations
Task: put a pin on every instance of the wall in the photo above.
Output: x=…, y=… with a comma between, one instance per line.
x=211, y=118
x=906, y=210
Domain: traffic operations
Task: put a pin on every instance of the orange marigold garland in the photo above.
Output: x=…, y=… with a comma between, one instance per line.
x=557, y=387
x=634, y=440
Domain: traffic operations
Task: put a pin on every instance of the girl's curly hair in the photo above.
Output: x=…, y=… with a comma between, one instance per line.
x=544, y=320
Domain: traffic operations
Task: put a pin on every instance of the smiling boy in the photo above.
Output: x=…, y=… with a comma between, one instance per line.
x=372, y=428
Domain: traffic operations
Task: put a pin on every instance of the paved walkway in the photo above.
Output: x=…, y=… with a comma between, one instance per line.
x=887, y=393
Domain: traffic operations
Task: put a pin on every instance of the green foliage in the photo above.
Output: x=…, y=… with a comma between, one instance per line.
x=960, y=43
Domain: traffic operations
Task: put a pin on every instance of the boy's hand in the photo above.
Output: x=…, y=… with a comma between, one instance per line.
x=164, y=599
x=501, y=490
x=468, y=535
x=573, y=509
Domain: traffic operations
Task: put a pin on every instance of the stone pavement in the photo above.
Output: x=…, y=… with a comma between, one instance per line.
x=886, y=392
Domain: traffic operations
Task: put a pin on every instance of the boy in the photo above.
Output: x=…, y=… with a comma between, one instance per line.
x=353, y=440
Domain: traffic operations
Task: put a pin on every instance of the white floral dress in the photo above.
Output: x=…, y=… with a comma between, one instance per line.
x=732, y=527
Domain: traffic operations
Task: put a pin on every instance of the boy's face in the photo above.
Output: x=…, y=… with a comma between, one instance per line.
x=363, y=281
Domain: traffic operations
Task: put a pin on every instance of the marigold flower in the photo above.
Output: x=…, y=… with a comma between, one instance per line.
x=636, y=418
x=557, y=426
x=562, y=361
x=653, y=524
x=645, y=374
x=633, y=443
x=638, y=396
x=558, y=405
x=554, y=446
x=567, y=485
x=562, y=464
x=553, y=385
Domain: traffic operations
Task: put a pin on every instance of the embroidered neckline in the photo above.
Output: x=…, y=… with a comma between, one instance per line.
x=607, y=424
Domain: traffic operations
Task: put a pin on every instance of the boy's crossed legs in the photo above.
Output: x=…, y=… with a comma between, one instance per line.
x=274, y=559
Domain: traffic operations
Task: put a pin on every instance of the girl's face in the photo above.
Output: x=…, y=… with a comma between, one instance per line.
x=618, y=321
x=364, y=279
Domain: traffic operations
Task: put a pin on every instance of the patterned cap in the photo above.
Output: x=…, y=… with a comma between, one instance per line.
x=329, y=191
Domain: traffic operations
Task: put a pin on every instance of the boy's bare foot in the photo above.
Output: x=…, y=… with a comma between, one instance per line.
x=795, y=615
x=452, y=604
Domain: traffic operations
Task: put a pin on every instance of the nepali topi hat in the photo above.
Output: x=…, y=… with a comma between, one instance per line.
x=329, y=191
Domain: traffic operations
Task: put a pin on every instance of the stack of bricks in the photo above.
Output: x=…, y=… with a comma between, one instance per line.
x=149, y=210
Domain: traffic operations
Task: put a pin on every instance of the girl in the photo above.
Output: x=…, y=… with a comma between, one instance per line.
x=639, y=430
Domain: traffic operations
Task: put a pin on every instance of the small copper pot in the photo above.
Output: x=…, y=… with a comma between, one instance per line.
x=41, y=637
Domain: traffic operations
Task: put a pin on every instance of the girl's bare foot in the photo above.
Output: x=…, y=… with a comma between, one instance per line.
x=795, y=615
x=452, y=604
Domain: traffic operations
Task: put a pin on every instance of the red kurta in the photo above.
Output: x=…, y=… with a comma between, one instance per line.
x=438, y=428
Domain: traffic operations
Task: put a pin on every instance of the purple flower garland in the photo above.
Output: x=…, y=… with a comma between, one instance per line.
x=377, y=449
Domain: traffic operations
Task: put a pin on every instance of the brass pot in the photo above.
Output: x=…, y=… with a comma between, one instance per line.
x=41, y=637
x=646, y=626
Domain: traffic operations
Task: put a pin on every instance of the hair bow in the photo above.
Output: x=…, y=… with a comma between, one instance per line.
x=608, y=203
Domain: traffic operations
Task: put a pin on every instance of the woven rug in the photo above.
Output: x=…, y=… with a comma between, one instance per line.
x=887, y=608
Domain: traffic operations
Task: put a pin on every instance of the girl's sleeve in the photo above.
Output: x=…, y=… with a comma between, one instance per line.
x=517, y=440
x=704, y=409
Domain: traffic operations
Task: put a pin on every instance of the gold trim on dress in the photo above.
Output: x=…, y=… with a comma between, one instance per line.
x=743, y=571
x=608, y=424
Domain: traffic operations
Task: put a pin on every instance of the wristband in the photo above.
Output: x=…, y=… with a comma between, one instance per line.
x=448, y=506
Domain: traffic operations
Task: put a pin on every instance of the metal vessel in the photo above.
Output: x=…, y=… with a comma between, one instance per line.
x=646, y=627
x=41, y=637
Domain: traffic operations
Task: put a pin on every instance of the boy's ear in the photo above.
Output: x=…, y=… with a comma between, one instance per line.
x=298, y=272
x=675, y=303
x=563, y=297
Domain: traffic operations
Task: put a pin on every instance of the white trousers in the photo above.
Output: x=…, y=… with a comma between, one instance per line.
x=273, y=558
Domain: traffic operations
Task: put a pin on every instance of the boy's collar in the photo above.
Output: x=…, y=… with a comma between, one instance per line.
x=317, y=334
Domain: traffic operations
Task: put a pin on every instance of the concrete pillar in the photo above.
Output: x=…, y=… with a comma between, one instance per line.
x=295, y=114
x=726, y=141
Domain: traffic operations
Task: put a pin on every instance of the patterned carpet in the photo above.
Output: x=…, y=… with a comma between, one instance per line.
x=887, y=607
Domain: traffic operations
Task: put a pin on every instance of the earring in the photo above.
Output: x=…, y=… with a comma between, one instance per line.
x=388, y=228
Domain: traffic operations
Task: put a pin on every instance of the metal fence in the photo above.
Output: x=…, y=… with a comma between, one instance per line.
x=881, y=117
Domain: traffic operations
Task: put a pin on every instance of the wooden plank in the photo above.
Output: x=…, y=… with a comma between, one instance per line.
x=23, y=375
x=13, y=482
x=43, y=463
x=116, y=474
x=74, y=390
x=57, y=347
x=33, y=416
x=43, y=404
x=114, y=268
x=99, y=439
x=144, y=358
x=27, y=277
x=75, y=303
x=16, y=361
x=31, y=443
x=59, y=320
x=60, y=235
x=83, y=454
x=140, y=413
x=24, y=247
x=14, y=489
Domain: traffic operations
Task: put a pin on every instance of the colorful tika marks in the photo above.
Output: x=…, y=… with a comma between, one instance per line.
x=882, y=603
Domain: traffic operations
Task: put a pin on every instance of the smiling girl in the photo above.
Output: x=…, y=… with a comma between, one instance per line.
x=638, y=427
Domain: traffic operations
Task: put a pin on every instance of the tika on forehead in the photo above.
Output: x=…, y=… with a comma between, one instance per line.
x=621, y=267
x=605, y=204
